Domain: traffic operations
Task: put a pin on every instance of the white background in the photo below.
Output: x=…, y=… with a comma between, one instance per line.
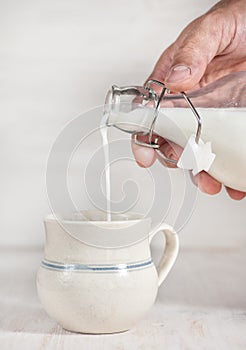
x=57, y=59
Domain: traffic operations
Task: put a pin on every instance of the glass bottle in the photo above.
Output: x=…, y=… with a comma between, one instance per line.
x=214, y=114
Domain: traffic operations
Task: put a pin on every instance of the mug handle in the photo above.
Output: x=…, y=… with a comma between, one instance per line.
x=170, y=253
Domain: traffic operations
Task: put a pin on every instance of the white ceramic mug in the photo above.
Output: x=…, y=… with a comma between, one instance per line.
x=97, y=288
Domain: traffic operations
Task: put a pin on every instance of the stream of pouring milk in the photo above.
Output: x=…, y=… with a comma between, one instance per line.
x=104, y=135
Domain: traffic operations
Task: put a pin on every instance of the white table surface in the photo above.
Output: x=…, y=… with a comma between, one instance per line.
x=201, y=305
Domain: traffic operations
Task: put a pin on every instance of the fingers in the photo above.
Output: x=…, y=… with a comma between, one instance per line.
x=207, y=183
x=184, y=63
x=145, y=157
x=234, y=194
x=170, y=150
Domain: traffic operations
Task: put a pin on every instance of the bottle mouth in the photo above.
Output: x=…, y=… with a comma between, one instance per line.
x=112, y=101
x=121, y=102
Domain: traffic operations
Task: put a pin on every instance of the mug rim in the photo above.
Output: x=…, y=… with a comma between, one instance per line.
x=54, y=217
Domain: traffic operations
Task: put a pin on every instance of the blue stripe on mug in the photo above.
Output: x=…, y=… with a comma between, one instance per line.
x=53, y=265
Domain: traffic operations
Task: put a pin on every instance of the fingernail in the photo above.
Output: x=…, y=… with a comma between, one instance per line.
x=178, y=73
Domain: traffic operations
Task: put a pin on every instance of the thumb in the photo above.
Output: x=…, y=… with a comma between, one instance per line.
x=184, y=63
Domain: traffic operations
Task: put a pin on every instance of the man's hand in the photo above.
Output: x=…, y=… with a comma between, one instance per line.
x=210, y=47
